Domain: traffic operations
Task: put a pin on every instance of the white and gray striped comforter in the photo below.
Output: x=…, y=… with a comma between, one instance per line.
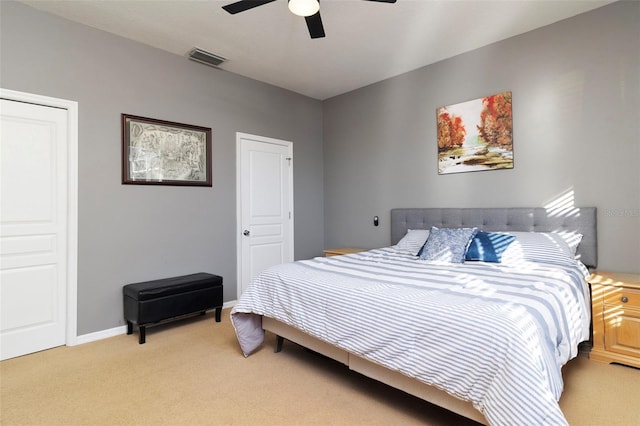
x=487, y=333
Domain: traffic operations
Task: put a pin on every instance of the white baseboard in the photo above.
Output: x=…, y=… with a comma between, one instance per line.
x=116, y=331
x=99, y=335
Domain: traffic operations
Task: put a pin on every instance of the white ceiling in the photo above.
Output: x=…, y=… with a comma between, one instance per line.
x=366, y=41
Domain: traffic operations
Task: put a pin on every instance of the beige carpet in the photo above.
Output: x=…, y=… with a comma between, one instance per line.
x=191, y=372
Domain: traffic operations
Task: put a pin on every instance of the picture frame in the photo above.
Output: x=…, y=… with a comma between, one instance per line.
x=476, y=135
x=159, y=152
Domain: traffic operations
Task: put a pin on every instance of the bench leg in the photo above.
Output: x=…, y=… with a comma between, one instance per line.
x=143, y=334
x=129, y=327
x=218, y=312
x=279, y=341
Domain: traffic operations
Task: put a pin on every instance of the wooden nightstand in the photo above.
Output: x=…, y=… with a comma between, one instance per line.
x=342, y=250
x=616, y=317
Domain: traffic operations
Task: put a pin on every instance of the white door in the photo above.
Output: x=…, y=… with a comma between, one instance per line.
x=265, y=181
x=33, y=227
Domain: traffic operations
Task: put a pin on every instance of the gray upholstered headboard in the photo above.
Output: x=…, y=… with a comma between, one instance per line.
x=538, y=219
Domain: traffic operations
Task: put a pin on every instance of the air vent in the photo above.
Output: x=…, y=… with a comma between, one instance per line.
x=205, y=57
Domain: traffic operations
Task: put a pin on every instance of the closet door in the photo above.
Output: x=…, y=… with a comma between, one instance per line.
x=265, y=182
x=33, y=227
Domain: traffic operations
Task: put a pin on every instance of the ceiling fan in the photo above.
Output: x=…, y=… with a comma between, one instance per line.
x=309, y=9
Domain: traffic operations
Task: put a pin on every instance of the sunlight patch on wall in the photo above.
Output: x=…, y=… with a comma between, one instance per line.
x=562, y=204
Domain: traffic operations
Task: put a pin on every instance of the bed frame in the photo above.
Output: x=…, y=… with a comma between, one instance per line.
x=582, y=220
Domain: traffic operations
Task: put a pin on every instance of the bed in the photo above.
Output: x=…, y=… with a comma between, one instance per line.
x=482, y=338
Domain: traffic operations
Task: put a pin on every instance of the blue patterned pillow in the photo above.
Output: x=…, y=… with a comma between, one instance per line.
x=488, y=246
x=447, y=244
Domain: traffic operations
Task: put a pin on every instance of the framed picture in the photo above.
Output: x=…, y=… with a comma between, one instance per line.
x=476, y=135
x=157, y=152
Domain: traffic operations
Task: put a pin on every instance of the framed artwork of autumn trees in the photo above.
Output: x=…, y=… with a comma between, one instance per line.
x=476, y=135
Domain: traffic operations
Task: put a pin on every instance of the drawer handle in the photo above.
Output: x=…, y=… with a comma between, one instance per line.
x=624, y=299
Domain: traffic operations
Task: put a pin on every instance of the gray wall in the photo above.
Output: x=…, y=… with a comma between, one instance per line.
x=130, y=233
x=576, y=104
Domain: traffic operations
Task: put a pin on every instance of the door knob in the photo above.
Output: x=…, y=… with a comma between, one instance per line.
x=246, y=233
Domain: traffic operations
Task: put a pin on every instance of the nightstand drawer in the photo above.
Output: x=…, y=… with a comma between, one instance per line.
x=623, y=297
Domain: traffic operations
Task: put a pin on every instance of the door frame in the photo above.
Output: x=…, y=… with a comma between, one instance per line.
x=71, y=337
x=266, y=140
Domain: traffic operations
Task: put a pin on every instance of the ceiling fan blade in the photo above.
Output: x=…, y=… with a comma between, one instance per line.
x=242, y=5
x=314, y=23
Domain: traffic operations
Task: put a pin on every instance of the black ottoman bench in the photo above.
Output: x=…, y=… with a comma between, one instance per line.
x=151, y=302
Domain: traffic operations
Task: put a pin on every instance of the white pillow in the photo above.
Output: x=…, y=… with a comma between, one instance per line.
x=545, y=247
x=413, y=240
x=571, y=238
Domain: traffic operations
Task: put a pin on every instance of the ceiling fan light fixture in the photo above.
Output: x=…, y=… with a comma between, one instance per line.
x=304, y=7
